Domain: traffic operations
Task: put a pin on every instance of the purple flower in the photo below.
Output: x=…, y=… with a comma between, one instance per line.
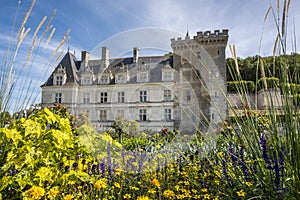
x=109, y=159
x=75, y=165
x=95, y=169
x=67, y=168
x=89, y=169
x=232, y=154
x=103, y=168
x=78, y=156
x=265, y=156
x=123, y=155
x=277, y=175
x=12, y=172
x=141, y=162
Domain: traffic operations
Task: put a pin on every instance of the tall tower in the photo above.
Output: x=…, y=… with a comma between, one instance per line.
x=201, y=66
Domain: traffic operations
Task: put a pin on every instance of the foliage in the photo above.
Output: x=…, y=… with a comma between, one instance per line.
x=124, y=128
x=96, y=143
x=272, y=82
x=233, y=86
x=31, y=152
x=82, y=118
x=249, y=66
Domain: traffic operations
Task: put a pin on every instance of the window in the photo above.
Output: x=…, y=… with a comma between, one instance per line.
x=86, y=81
x=103, y=97
x=143, y=114
x=167, y=95
x=168, y=76
x=86, y=97
x=59, y=80
x=143, y=96
x=188, y=95
x=168, y=114
x=121, y=78
x=143, y=77
x=121, y=97
x=58, y=97
x=104, y=79
x=103, y=115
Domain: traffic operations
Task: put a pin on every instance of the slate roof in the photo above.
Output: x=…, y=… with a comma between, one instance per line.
x=72, y=66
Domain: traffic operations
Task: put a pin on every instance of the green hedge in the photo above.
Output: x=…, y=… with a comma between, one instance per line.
x=272, y=82
x=240, y=86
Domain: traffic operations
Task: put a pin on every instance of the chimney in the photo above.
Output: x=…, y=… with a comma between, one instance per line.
x=105, y=57
x=135, y=54
x=85, y=56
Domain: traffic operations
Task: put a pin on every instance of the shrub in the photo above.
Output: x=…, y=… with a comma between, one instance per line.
x=33, y=151
x=272, y=82
x=235, y=86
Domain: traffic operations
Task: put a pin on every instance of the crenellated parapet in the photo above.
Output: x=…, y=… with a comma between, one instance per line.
x=204, y=38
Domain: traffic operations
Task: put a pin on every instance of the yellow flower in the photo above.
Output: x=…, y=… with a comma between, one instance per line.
x=220, y=154
x=101, y=183
x=127, y=196
x=169, y=193
x=207, y=196
x=248, y=184
x=157, y=146
x=69, y=197
x=186, y=183
x=133, y=188
x=204, y=190
x=197, y=196
x=71, y=182
x=118, y=172
x=241, y=193
x=117, y=185
x=143, y=198
x=152, y=191
x=52, y=193
x=155, y=182
x=37, y=192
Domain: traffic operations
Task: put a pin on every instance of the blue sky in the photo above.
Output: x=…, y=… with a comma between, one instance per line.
x=122, y=25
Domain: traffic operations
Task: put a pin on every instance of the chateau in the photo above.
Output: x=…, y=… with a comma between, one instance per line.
x=183, y=90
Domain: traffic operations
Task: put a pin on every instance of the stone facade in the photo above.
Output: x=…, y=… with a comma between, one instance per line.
x=184, y=90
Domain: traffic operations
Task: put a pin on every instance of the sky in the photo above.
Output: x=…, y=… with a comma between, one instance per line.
x=121, y=25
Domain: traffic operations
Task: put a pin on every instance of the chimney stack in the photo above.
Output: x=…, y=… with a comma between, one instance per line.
x=135, y=54
x=105, y=57
x=85, y=57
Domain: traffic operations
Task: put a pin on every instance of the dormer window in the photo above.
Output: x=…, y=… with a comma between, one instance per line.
x=59, y=76
x=104, y=79
x=167, y=75
x=59, y=80
x=142, y=77
x=121, y=78
x=86, y=80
